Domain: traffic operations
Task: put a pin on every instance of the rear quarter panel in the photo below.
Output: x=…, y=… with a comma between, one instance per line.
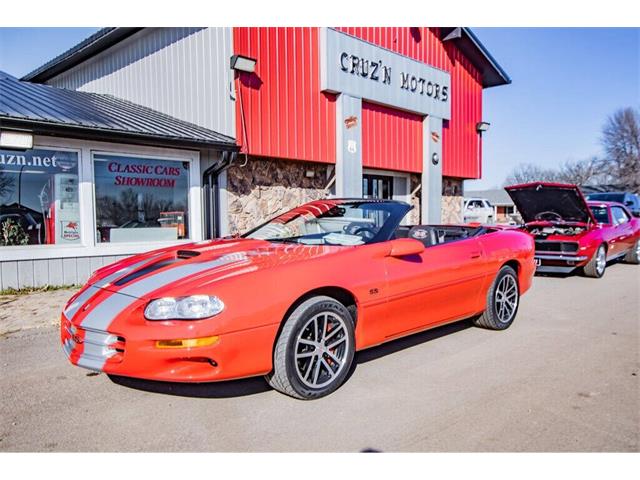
x=508, y=245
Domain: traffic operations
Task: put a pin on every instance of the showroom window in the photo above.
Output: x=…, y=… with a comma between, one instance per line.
x=39, y=197
x=140, y=199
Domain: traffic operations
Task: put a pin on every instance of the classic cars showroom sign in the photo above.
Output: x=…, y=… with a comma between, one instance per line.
x=361, y=69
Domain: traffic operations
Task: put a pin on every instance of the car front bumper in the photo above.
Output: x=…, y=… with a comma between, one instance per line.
x=558, y=263
x=234, y=355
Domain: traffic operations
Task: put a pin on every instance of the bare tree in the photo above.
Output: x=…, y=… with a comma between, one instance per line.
x=527, y=172
x=582, y=172
x=621, y=142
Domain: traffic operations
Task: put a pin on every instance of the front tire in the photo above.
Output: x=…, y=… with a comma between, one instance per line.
x=503, y=299
x=633, y=255
x=315, y=349
x=598, y=263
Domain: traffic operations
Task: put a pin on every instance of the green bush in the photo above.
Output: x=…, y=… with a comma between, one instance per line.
x=12, y=233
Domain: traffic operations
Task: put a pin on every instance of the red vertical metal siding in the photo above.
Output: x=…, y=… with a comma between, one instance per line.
x=461, y=150
x=391, y=139
x=460, y=142
x=420, y=43
x=287, y=115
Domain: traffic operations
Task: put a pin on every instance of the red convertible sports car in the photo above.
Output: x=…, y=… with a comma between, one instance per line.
x=294, y=298
x=572, y=233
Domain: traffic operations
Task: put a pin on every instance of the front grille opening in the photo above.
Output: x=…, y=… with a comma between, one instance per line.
x=561, y=247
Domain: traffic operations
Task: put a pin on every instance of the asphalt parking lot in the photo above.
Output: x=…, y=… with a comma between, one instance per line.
x=564, y=377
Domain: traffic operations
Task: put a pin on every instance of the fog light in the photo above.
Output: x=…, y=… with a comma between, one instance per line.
x=187, y=342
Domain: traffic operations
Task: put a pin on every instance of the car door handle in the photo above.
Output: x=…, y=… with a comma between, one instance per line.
x=476, y=254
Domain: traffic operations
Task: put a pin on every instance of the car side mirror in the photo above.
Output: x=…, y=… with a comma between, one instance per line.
x=403, y=247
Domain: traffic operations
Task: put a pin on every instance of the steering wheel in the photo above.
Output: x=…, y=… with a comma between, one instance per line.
x=541, y=215
x=365, y=232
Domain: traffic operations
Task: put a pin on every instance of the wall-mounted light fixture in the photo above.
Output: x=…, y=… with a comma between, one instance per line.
x=482, y=126
x=16, y=140
x=243, y=64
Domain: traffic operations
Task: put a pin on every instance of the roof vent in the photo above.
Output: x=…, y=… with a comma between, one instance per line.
x=187, y=253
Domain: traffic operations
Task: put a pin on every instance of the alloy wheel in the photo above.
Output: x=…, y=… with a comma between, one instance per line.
x=321, y=349
x=506, y=298
x=601, y=261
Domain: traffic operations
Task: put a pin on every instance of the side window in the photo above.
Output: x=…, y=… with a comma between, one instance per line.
x=619, y=215
x=487, y=204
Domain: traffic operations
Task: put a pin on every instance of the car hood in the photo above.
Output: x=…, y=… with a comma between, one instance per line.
x=153, y=273
x=560, y=202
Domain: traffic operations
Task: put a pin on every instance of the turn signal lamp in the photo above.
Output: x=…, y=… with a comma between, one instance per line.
x=187, y=342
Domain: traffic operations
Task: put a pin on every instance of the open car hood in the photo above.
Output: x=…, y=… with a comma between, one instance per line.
x=540, y=201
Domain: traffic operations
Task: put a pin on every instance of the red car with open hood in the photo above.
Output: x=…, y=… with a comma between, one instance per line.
x=294, y=298
x=572, y=233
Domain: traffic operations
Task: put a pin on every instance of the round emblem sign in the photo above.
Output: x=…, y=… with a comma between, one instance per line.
x=435, y=158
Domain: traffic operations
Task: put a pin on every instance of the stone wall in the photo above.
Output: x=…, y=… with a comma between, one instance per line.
x=452, y=199
x=266, y=187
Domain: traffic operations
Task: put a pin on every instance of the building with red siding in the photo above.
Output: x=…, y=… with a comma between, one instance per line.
x=171, y=135
x=378, y=112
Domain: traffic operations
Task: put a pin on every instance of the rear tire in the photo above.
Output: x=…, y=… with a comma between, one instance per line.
x=503, y=299
x=633, y=255
x=598, y=263
x=314, y=351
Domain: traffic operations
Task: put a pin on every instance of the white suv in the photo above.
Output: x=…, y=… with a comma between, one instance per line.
x=478, y=210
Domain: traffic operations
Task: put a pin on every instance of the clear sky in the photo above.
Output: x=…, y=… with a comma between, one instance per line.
x=565, y=83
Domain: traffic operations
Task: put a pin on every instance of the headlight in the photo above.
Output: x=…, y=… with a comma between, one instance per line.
x=183, y=308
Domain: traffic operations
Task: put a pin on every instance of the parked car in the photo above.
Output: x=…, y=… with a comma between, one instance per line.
x=572, y=233
x=478, y=210
x=629, y=200
x=294, y=298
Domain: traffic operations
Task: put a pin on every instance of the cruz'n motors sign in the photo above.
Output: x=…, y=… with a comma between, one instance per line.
x=361, y=69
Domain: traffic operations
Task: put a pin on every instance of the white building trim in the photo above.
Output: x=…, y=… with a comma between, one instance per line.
x=88, y=246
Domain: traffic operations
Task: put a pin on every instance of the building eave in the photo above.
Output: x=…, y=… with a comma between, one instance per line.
x=91, y=46
x=52, y=129
x=492, y=73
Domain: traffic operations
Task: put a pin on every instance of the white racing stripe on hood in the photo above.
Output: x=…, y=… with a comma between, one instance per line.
x=85, y=296
x=102, y=316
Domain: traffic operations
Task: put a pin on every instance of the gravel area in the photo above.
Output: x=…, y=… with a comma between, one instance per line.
x=32, y=310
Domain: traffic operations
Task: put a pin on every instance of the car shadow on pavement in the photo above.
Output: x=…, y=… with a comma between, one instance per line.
x=252, y=386
x=576, y=272
x=225, y=389
x=410, y=341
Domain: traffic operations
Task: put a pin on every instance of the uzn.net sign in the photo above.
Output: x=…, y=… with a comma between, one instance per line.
x=360, y=69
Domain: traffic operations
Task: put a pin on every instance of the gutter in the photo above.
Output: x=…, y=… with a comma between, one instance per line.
x=105, y=134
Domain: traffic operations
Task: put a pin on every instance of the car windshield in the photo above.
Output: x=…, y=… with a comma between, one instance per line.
x=334, y=222
x=606, y=197
x=600, y=214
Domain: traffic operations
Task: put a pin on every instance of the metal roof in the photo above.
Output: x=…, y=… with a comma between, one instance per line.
x=496, y=196
x=90, y=46
x=49, y=110
x=492, y=73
